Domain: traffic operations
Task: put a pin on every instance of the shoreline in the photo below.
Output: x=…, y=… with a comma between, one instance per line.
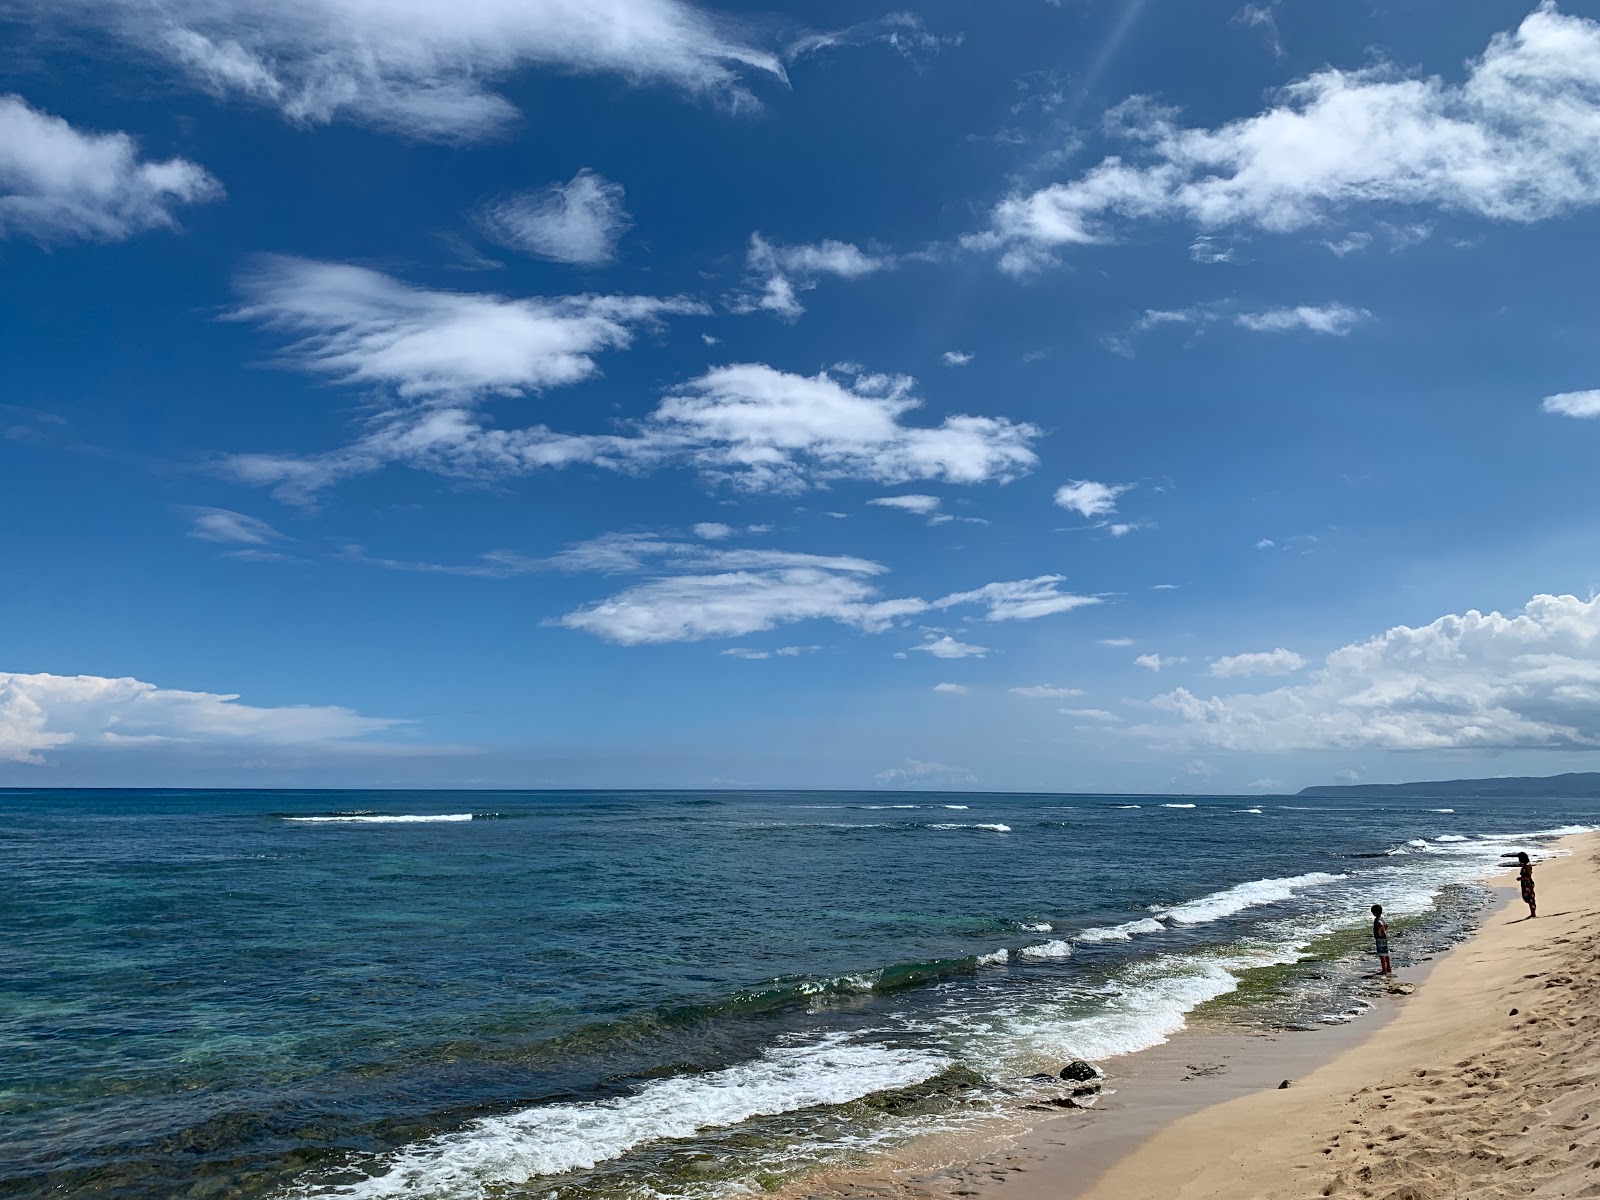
x=1202, y=1116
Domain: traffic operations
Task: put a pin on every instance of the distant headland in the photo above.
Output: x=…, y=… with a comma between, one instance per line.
x=1579, y=784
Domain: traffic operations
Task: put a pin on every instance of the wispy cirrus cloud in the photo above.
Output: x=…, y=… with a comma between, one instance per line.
x=425, y=69
x=59, y=183
x=1510, y=141
x=579, y=222
x=225, y=525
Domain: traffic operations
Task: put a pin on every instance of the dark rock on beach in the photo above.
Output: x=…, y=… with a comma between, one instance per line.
x=1078, y=1071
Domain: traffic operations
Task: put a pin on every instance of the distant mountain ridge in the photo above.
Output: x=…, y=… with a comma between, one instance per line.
x=1579, y=784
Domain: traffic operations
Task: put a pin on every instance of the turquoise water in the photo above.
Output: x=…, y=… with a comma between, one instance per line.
x=462, y=995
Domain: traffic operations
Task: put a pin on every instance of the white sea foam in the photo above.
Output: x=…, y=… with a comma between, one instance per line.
x=1443, y=810
x=875, y=806
x=1177, y=806
x=962, y=807
x=1130, y=806
x=1036, y=926
x=1451, y=837
x=994, y=828
x=1045, y=950
x=493, y=1153
x=1245, y=895
x=1120, y=933
x=1256, y=811
x=995, y=958
x=383, y=819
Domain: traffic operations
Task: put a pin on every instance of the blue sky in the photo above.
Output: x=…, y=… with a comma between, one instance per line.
x=1097, y=395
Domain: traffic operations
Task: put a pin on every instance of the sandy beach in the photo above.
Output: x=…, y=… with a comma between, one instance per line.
x=1482, y=1082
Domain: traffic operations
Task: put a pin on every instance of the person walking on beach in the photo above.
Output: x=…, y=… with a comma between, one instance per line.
x=1380, y=940
x=1525, y=878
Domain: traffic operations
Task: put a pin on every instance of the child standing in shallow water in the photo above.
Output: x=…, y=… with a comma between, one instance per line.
x=1380, y=939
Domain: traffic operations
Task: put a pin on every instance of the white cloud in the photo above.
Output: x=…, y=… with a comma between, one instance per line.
x=1484, y=681
x=918, y=771
x=713, y=531
x=1206, y=250
x=58, y=183
x=225, y=525
x=1090, y=499
x=1115, y=641
x=1350, y=244
x=1573, y=404
x=1335, y=319
x=1020, y=599
x=1512, y=141
x=922, y=506
x=1199, y=767
x=951, y=689
x=44, y=713
x=363, y=327
x=779, y=273
x=955, y=358
x=1266, y=662
x=1265, y=544
x=1090, y=714
x=748, y=424
x=1266, y=785
x=746, y=653
x=578, y=222
x=1156, y=662
x=948, y=647
x=426, y=68
x=1046, y=692
x=901, y=31
x=765, y=429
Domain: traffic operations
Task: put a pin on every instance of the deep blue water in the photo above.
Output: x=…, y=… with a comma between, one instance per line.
x=204, y=993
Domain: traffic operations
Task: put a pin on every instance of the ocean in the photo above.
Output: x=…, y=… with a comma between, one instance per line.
x=639, y=996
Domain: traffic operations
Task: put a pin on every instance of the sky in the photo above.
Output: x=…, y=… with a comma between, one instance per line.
x=1101, y=395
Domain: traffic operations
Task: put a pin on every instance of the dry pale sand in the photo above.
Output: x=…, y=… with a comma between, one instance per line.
x=1483, y=1083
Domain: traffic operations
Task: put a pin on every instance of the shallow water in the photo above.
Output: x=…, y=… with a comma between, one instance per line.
x=473, y=994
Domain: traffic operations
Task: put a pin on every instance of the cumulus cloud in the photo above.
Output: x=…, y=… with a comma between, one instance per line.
x=955, y=358
x=578, y=222
x=713, y=531
x=225, y=525
x=697, y=591
x=951, y=689
x=1156, y=662
x=1046, y=692
x=1335, y=319
x=928, y=773
x=1474, y=681
x=1090, y=499
x=777, y=274
x=1573, y=404
x=44, y=713
x=947, y=647
x=58, y=183
x=1266, y=662
x=425, y=69
x=746, y=424
x=1511, y=141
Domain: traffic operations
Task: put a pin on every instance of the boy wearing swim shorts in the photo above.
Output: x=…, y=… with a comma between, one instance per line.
x=1380, y=939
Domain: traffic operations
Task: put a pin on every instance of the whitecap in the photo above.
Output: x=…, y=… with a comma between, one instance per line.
x=993, y=828
x=397, y=818
x=1130, y=806
x=1120, y=933
x=1256, y=811
x=1047, y=950
x=995, y=958
x=1036, y=926
x=962, y=807
x=492, y=1153
x=1246, y=895
x=1442, y=810
x=1451, y=837
x=1177, y=806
